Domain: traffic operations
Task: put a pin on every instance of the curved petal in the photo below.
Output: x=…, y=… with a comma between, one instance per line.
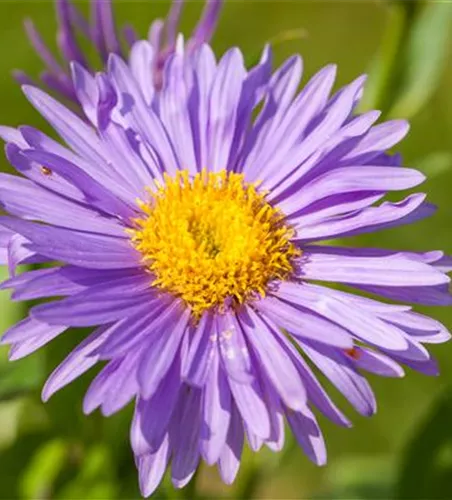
x=75, y=247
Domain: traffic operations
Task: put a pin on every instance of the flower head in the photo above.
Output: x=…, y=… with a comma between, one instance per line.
x=107, y=37
x=185, y=226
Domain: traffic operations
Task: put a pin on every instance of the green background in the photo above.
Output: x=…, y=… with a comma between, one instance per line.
x=405, y=450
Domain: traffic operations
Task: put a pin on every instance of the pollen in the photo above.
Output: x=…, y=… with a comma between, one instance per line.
x=213, y=240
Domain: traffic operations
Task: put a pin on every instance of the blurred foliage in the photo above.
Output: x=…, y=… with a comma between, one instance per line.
x=426, y=463
x=375, y=479
x=410, y=62
x=53, y=451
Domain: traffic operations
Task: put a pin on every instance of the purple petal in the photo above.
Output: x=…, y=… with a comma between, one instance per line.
x=419, y=327
x=201, y=352
x=253, y=91
x=155, y=412
x=317, y=395
x=123, y=385
x=358, y=321
x=44, y=334
x=130, y=35
x=303, y=323
x=206, y=25
x=108, y=26
x=204, y=74
x=141, y=61
x=388, y=271
x=25, y=199
x=429, y=367
x=78, y=362
x=251, y=403
x=76, y=133
x=13, y=135
x=138, y=328
x=33, y=170
x=98, y=304
x=229, y=462
x=22, y=78
x=174, y=112
x=287, y=129
x=342, y=374
x=415, y=351
x=172, y=21
x=156, y=363
x=224, y=101
x=378, y=139
x=86, y=91
x=425, y=295
x=216, y=413
x=307, y=432
x=372, y=218
x=280, y=91
x=95, y=193
x=350, y=180
x=59, y=85
x=275, y=361
x=100, y=386
x=255, y=442
x=141, y=118
x=234, y=351
x=375, y=362
x=152, y=467
x=77, y=248
x=96, y=31
x=275, y=441
x=324, y=126
x=61, y=281
x=21, y=251
x=24, y=330
x=136, y=172
x=186, y=452
x=66, y=36
x=444, y=264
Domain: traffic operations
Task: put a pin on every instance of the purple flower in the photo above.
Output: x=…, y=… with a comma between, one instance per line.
x=186, y=226
x=105, y=36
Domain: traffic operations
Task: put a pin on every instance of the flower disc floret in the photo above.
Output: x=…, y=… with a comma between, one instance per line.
x=213, y=238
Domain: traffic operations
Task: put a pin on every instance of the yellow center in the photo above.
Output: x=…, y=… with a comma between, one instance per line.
x=213, y=239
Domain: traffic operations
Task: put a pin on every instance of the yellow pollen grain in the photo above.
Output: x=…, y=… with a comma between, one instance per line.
x=211, y=239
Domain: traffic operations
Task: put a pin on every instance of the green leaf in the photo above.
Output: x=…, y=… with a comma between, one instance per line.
x=15, y=460
x=10, y=412
x=374, y=480
x=382, y=70
x=20, y=377
x=435, y=164
x=423, y=59
x=95, y=477
x=11, y=311
x=45, y=466
x=426, y=466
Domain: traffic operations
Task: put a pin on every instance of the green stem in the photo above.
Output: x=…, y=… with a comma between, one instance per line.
x=385, y=72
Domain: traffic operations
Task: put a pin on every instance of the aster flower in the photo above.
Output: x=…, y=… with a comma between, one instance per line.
x=106, y=37
x=186, y=226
